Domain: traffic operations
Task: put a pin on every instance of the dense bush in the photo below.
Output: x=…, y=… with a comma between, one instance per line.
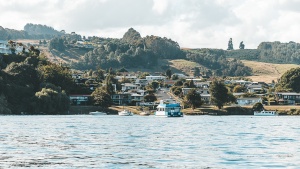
x=215, y=60
x=25, y=86
x=271, y=52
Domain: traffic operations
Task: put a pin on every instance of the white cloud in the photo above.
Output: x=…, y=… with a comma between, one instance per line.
x=160, y=6
x=192, y=23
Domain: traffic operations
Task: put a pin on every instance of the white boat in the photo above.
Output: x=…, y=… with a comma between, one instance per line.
x=168, y=110
x=265, y=113
x=97, y=113
x=144, y=113
x=125, y=113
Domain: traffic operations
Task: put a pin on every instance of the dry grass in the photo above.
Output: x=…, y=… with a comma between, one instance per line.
x=267, y=72
x=183, y=65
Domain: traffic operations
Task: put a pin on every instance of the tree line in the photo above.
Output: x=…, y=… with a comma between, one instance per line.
x=30, y=83
x=270, y=52
x=133, y=51
x=215, y=60
x=31, y=31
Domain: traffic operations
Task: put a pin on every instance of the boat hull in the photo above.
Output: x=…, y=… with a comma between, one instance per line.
x=97, y=113
x=125, y=113
x=144, y=114
x=168, y=114
x=265, y=113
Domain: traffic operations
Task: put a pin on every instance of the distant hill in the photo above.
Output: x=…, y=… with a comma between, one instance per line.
x=271, y=52
x=31, y=31
x=38, y=31
x=8, y=34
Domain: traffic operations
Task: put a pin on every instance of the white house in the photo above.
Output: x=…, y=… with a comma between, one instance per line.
x=255, y=88
x=151, y=78
x=248, y=101
x=204, y=85
x=137, y=97
x=141, y=82
x=242, y=82
x=128, y=86
x=19, y=49
x=130, y=77
x=4, y=47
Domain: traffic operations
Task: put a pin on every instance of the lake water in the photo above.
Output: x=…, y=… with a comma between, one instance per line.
x=85, y=141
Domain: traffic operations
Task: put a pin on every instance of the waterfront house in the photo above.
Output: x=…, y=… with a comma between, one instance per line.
x=80, y=99
x=205, y=97
x=248, y=101
x=121, y=98
x=137, y=97
x=287, y=98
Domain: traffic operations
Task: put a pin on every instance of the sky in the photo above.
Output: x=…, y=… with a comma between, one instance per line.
x=191, y=23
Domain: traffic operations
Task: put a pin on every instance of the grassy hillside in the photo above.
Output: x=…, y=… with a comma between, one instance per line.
x=267, y=71
x=181, y=65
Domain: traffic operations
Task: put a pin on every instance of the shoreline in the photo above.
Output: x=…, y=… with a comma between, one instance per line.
x=209, y=110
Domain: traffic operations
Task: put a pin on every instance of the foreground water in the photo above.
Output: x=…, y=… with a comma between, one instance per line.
x=85, y=141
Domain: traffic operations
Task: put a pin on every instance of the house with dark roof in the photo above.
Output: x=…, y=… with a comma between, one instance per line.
x=287, y=98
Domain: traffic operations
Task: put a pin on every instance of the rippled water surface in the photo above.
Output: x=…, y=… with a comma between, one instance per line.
x=85, y=141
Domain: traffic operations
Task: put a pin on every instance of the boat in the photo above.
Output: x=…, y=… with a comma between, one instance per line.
x=144, y=113
x=168, y=110
x=97, y=113
x=125, y=113
x=265, y=113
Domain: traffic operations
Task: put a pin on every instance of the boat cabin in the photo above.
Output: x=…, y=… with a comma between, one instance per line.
x=168, y=110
